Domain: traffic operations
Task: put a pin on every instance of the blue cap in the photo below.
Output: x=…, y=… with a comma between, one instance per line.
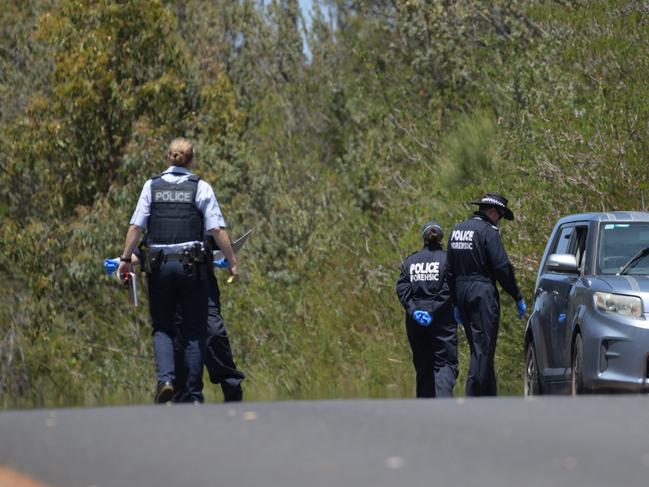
x=432, y=224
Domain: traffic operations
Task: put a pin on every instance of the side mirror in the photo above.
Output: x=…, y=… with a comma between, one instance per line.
x=562, y=263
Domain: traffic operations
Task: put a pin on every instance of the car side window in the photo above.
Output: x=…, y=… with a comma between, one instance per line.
x=562, y=244
x=579, y=246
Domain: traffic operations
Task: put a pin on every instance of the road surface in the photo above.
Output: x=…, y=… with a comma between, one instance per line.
x=499, y=442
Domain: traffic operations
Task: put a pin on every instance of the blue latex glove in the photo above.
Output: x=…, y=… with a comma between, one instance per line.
x=422, y=317
x=456, y=315
x=521, y=308
x=221, y=263
x=111, y=265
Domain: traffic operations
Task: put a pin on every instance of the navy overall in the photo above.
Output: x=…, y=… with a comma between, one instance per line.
x=476, y=261
x=422, y=286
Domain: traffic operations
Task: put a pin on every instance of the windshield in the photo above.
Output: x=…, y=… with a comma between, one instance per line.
x=618, y=242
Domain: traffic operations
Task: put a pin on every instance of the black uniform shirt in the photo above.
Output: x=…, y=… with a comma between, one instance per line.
x=475, y=250
x=422, y=283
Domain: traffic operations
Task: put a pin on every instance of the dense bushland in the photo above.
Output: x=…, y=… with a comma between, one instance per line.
x=399, y=111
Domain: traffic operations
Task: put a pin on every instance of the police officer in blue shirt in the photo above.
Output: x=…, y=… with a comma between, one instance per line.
x=218, y=357
x=176, y=209
x=476, y=261
x=425, y=296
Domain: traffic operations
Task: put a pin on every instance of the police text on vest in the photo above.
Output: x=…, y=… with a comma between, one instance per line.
x=462, y=240
x=168, y=196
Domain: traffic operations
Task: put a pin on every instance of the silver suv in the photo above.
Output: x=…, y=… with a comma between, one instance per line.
x=588, y=330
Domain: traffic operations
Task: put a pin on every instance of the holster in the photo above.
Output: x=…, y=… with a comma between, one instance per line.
x=195, y=262
x=209, y=246
x=150, y=260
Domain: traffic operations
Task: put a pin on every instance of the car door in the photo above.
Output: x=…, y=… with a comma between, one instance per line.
x=564, y=291
x=545, y=304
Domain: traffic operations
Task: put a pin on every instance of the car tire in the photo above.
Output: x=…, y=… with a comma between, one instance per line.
x=531, y=379
x=577, y=372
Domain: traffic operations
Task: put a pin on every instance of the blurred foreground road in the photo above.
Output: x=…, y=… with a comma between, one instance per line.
x=499, y=442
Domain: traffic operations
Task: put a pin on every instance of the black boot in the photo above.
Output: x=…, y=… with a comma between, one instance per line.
x=232, y=394
x=164, y=393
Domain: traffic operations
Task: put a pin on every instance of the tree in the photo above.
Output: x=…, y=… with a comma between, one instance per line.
x=114, y=63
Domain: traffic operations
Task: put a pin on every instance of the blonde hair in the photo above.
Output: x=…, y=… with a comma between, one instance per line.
x=180, y=152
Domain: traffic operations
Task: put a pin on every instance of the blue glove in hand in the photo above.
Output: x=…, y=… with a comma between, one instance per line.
x=111, y=265
x=521, y=308
x=456, y=315
x=422, y=317
x=221, y=263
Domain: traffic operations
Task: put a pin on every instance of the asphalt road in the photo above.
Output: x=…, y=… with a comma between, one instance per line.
x=589, y=441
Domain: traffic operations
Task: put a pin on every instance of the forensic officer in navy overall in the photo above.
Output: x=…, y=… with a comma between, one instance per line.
x=476, y=261
x=425, y=296
x=176, y=209
x=219, y=360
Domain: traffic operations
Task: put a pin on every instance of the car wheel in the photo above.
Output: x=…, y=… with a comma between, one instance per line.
x=532, y=381
x=577, y=373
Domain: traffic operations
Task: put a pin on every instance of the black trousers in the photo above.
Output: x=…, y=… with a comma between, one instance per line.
x=479, y=304
x=172, y=290
x=218, y=358
x=434, y=355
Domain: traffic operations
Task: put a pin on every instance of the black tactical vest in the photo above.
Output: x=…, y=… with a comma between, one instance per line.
x=174, y=216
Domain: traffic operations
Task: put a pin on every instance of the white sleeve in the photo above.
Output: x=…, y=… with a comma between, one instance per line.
x=208, y=206
x=143, y=209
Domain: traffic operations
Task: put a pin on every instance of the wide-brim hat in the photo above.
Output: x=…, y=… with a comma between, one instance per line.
x=497, y=200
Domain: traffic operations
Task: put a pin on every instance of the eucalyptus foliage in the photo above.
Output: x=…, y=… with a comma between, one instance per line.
x=397, y=112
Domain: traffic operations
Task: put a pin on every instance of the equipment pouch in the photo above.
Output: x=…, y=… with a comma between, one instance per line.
x=151, y=261
x=187, y=260
x=194, y=259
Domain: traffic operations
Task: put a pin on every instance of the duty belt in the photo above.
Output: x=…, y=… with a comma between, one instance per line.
x=176, y=256
x=193, y=257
